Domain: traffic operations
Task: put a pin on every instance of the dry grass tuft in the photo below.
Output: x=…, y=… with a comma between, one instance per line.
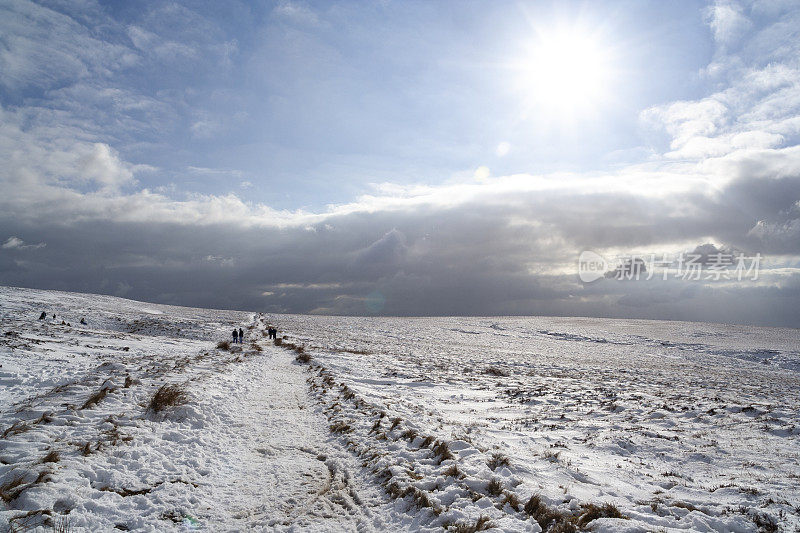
x=278, y=341
x=409, y=435
x=168, y=396
x=302, y=357
x=593, y=512
x=483, y=523
x=454, y=472
x=423, y=501
x=12, y=488
x=765, y=523
x=51, y=457
x=30, y=521
x=546, y=516
x=96, y=398
x=45, y=418
x=442, y=450
x=494, y=371
x=15, y=429
x=340, y=427
x=497, y=460
x=494, y=487
x=511, y=499
x=394, y=490
x=395, y=422
x=223, y=345
x=551, y=456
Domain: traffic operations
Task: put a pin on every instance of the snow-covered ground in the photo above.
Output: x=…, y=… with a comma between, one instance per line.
x=396, y=423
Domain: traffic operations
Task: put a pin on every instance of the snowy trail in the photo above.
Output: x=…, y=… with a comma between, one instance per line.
x=280, y=469
x=249, y=449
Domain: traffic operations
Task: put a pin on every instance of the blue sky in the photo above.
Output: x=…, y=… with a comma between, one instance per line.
x=313, y=102
x=300, y=156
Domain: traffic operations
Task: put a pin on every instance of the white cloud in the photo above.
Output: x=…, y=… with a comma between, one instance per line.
x=16, y=243
x=100, y=163
x=727, y=20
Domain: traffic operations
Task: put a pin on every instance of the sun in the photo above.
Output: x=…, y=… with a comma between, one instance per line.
x=566, y=71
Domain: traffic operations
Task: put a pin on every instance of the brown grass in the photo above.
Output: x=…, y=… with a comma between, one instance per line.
x=340, y=427
x=12, y=488
x=453, y=471
x=29, y=521
x=442, y=450
x=552, y=456
x=494, y=487
x=593, y=512
x=421, y=499
x=494, y=371
x=96, y=398
x=15, y=429
x=168, y=396
x=51, y=457
x=546, y=516
x=409, y=435
x=223, y=345
x=483, y=523
x=497, y=460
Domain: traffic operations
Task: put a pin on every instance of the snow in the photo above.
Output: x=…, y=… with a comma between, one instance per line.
x=393, y=424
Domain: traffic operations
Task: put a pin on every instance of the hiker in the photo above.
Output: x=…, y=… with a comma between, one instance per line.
x=43, y=316
x=235, y=336
x=241, y=336
x=83, y=321
x=273, y=332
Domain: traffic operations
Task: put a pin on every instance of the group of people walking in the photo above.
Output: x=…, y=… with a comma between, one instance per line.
x=238, y=334
x=43, y=316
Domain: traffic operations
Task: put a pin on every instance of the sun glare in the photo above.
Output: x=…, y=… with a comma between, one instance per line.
x=566, y=71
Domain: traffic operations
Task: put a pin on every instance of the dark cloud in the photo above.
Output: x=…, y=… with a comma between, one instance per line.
x=492, y=253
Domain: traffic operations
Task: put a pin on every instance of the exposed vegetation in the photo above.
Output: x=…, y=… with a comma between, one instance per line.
x=497, y=460
x=96, y=398
x=52, y=457
x=168, y=396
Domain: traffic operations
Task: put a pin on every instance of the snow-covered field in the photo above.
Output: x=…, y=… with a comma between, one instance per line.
x=396, y=423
